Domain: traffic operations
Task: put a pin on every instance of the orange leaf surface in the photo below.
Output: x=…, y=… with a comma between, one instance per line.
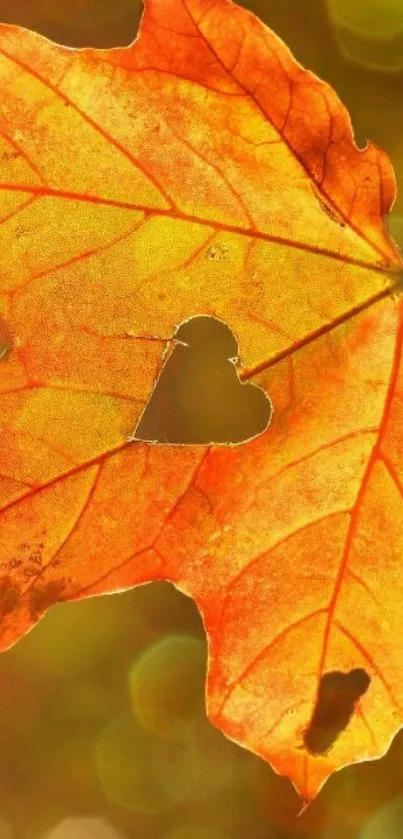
x=203, y=170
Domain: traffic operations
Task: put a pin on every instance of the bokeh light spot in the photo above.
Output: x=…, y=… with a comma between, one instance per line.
x=387, y=823
x=142, y=772
x=370, y=32
x=193, y=832
x=84, y=828
x=166, y=682
x=5, y=830
x=377, y=18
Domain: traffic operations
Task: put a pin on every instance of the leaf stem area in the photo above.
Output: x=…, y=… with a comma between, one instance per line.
x=392, y=291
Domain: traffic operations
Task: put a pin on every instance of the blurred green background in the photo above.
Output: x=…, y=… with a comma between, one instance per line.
x=103, y=733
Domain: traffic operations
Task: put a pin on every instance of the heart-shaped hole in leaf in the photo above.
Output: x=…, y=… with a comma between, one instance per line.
x=198, y=397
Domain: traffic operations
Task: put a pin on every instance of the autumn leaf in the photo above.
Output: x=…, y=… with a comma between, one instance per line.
x=202, y=170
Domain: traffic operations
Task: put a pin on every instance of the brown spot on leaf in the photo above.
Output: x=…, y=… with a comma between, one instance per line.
x=217, y=253
x=10, y=155
x=9, y=595
x=42, y=598
x=36, y=558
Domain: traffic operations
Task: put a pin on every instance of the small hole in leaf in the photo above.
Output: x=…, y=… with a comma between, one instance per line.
x=198, y=397
x=337, y=696
x=6, y=341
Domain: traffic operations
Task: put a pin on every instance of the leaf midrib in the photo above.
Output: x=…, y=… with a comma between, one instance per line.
x=180, y=216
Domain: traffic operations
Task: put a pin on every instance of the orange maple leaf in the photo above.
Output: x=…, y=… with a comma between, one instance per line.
x=203, y=170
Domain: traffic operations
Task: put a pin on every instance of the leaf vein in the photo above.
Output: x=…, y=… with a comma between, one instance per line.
x=90, y=121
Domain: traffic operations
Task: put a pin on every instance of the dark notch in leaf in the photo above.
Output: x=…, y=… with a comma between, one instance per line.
x=198, y=397
x=95, y=23
x=338, y=693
